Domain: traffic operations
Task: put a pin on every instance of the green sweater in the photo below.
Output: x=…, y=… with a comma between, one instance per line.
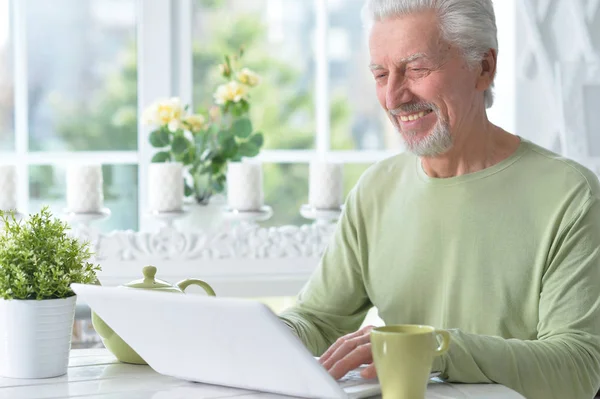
x=507, y=259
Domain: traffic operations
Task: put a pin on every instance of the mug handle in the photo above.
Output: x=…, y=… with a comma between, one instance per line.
x=192, y=281
x=445, y=345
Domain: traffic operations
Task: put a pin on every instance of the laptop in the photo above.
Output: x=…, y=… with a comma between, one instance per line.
x=230, y=342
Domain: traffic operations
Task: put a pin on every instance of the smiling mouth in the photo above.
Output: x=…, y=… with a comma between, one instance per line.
x=415, y=116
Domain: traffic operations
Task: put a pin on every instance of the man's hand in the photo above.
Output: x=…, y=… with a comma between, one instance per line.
x=350, y=352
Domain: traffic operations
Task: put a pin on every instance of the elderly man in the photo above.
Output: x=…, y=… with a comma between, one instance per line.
x=475, y=230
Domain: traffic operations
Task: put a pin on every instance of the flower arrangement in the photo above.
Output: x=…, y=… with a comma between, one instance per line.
x=206, y=143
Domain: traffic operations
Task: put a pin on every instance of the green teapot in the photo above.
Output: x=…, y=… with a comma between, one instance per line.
x=112, y=341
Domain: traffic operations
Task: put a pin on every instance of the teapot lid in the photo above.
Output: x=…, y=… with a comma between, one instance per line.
x=149, y=282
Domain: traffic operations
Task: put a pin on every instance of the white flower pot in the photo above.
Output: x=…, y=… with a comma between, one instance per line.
x=35, y=337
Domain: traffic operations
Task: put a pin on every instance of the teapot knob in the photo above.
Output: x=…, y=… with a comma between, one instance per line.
x=149, y=272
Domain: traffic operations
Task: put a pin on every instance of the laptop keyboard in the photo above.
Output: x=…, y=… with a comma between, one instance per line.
x=353, y=378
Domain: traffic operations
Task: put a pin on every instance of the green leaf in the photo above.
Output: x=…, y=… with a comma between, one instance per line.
x=244, y=106
x=224, y=135
x=218, y=185
x=213, y=130
x=248, y=149
x=187, y=189
x=242, y=128
x=200, y=141
x=237, y=110
x=180, y=144
x=186, y=158
x=159, y=138
x=208, y=154
x=190, y=157
x=218, y=163
x=257, y=139
x=162, y=156
x=229, y=147
x=215, y=168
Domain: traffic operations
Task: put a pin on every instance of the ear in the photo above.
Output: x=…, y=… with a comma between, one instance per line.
x=487, y=70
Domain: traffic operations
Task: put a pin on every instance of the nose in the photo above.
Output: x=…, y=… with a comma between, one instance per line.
x=397, y=92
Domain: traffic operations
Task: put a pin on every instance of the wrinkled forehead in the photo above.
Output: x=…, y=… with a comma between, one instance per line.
x=407, y=38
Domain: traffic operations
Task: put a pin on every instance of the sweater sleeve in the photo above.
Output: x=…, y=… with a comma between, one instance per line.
x=564, y=360
x=334, y=302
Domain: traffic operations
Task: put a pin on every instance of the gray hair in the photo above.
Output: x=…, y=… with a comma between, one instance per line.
x=468, y=24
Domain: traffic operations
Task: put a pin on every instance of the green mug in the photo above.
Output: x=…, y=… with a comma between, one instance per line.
x=403, y=357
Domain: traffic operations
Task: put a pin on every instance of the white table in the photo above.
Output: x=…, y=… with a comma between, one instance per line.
x=95, y=373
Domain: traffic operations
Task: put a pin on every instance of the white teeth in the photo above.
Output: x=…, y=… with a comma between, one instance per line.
x=413, y=117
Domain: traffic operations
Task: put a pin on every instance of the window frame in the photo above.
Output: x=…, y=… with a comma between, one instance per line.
x=165, y=27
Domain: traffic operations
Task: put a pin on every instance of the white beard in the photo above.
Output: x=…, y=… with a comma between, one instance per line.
x=435, y=143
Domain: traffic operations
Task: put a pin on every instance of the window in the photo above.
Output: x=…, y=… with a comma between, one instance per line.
x=76, y=94
x=274, y=36
x=357, y=120
x=47, y=186
x=82, y=80
x=6, y=79
x=75, y=75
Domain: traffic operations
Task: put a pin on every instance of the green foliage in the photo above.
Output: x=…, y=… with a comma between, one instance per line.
x=39, y=259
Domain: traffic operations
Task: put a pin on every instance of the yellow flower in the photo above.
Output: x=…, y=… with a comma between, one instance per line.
x=232, y=91
x=195, y=122
x=248, y=77
x=164, y=112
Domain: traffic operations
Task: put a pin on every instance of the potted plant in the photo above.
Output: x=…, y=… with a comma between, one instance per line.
x=38, y=262
x=206, y=142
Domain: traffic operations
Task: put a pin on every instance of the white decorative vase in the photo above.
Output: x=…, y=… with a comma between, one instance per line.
x=206, y=217
x=35, y=337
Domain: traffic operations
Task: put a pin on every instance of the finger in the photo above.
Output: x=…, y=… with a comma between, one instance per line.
x=337, y=344
x=325, y=356
x=345, y=349
x=361, y=355
x=369, y=372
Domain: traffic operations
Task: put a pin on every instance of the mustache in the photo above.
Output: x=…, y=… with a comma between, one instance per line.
x=413, y=107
